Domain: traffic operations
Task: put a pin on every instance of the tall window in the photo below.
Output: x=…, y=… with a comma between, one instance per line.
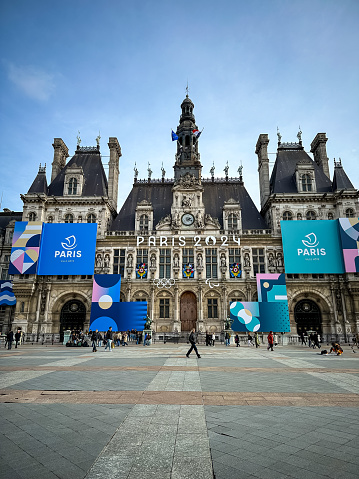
x=32, y=216
x=211, y=263
x=212, y=306
x=165, y=263
x=310, y=215
x=287, y=216
x=232, y=222
x=72, y=189
x=69, y=218
x=234, y=255
x=144, y=223
x=119, y=261
x=187, y=256
x=142, y=256
x=349, y=213
x=306, y=183
x=258, y=260
x=91, y=218
x=164, y=308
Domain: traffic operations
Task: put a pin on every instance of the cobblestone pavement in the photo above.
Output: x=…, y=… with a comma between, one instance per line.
x=139, y=413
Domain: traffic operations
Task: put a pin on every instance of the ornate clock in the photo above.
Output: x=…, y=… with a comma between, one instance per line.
x=187, y=219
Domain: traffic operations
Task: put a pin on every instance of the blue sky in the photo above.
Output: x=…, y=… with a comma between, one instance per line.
x=121, y=68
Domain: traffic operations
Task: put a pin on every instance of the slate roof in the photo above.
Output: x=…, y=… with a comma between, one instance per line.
x=214, y=196
x=283, y=174
x=6, y=217
x=39, y=184
x=341, y=180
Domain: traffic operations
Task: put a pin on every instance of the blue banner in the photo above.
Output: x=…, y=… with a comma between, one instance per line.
x=67, y=248
x=264, y=317
x=6, y=293
x=312, y=247
x=123, y=317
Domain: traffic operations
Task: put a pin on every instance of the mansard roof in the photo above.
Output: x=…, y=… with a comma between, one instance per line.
x=95, y=181
x=340, y=179
x=39, y=184
x=214, y=195
x=7, y=216
x=283, y=174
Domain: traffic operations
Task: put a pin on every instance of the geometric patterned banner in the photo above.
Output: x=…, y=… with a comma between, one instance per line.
x=25, y=247
x=6, y=293
x=105, y=301
x=349, y=236
x=271, y=287
x=260, y=316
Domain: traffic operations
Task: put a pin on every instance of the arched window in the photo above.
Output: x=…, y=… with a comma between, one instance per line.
x=91, y=218
x=79, y=219
x=32, y=216
x=306, y=183
x=50, y=219
x=311, y=215
x=72, y=187
x=69, y=218
x=287, y=216
x=232, y=222
x=349, y=213
x=330, y=216
x=144, y=223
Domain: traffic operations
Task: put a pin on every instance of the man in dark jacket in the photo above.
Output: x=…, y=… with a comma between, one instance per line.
x=94, y=339
x=10, y=339
x=17, y=338
x=192, y=340
x=109, y=338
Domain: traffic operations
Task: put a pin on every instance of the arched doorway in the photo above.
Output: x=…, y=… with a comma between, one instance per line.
x=308, y=316
x=188, y=311
x=72, y=317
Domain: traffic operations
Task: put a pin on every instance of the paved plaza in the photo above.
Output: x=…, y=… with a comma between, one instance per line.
x=149, y=412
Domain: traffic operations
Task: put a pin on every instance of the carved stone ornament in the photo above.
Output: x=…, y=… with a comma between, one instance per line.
x=187, y=181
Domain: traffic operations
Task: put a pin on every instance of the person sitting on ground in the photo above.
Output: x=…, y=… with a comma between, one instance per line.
x=336, y=348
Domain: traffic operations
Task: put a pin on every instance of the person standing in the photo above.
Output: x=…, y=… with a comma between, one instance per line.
x=302, y=338
x=109, y=338
x=213, y=339
x=227, y=338
x=257, y=340
x=94, y=339
x=250, y=339
x=17, y=338
x=236, y=340
x=316, y=341
x=124, y=339
x=192, y=340
x=10, y=339
x=270, y=340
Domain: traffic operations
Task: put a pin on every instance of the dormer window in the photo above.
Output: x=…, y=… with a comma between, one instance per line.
x=91, y=218
x=287, y=216
x=232, y=222
x=72, y=189
x=349, y=213
x=306, y=183
x=311, y=215
x=69, y=218
x=143, y=223
x=32, y=216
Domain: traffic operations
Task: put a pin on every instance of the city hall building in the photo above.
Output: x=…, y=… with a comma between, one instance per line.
x=186, y=245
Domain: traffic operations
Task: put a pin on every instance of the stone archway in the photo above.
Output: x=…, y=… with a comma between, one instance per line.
x=72, y=316
x=188, y=311
x=308, y=316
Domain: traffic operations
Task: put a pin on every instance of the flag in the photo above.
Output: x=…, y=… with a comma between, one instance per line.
x=196, y=133
x=174, y=136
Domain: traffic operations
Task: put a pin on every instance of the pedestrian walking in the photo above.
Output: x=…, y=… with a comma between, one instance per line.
x=275, y=339
x=270, y=340
x=236, y=340
x=124, y=339
x=316, y=341
x=257, y=340
x=109, y=338
x=302, y=338
x=17, y=338
x=10, y=339
x=145, y=340
x=94, y=339
x=250, y=339
x=208, y=339
x=213, y=339
x=192, y=340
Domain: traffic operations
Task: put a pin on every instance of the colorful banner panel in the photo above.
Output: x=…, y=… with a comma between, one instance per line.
x=349, y=236
x=264, y=317
x=124, y=317
x=6, y=293
x=105, y=300
x=141, y=270
x=25, y=247
x=67, y=249
x=235, y=270
x=271, y=287
x=312, y=247
x=188, y=271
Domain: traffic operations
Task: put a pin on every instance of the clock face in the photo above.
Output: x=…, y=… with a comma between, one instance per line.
x=187, y=219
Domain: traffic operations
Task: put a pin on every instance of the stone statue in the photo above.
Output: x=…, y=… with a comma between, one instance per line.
x=299, y=135
x=279, y=260
x=149, y=171
x=199, y=260
x=228, y=323
x=135, y=171
x=107, y=261
x=176, y=220
x=153, y=260
x=148, y=322
x=279, y=136
x=271, y=260
x=129, y=261
x=78, y=139
x=247, y=261
x=226, y=169
x=176, y=260
x=199, y=218
x=98, y=138
x=163, y=171
x=186, y=201
x=240, y=170
x=223, y=260
x=99, y=261
x=212, y=170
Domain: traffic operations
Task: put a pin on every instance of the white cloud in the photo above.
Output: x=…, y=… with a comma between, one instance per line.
x=33, y=82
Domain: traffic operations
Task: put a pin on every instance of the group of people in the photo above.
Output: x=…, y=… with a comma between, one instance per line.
x=11, y=337
x=110, y=339
x=210, y=339
x=313, y=339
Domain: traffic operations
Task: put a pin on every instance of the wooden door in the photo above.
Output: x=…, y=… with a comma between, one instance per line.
x=188, y=311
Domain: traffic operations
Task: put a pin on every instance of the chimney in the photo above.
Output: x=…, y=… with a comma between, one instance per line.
x=114, y=170
x=263, y=167
x=61, y=152
x=319, y=150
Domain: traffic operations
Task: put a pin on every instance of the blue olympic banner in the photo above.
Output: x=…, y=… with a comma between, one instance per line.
x=67, y=249
x=123, y=317
x=312, y=247
x=263, y=316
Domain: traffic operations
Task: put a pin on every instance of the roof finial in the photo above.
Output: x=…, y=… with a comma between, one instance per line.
x=187, y=89
x=135, y=171
x=98, y=138
x=212, y=170
x=163, y=171
x=149, y=171
x=279, y=137
x=299, y=135
x=78, y=139
x=226, y=168
x=240, y=170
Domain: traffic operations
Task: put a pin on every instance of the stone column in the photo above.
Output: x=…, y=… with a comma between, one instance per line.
x=319, y=150
x=114, y=170
x=61, y=152
x=263, y=167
